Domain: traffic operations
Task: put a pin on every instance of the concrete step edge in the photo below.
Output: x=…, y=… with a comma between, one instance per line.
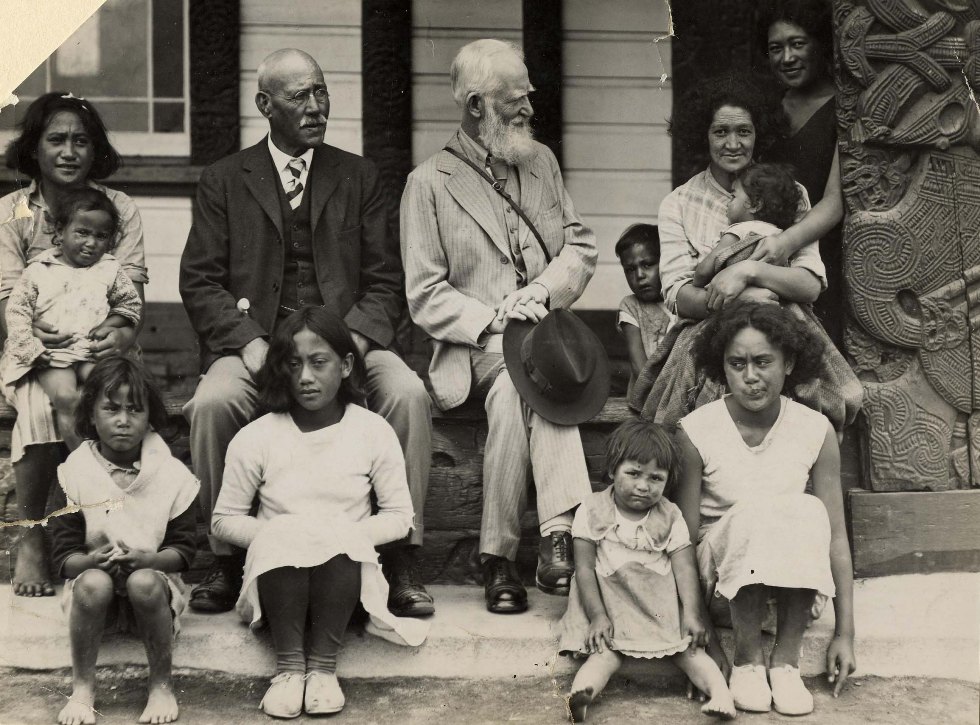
x=467, y=641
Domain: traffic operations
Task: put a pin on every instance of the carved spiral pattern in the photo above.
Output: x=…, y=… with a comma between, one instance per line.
x=910, y=446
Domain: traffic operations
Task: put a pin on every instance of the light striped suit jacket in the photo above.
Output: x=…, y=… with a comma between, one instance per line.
x=457, y=260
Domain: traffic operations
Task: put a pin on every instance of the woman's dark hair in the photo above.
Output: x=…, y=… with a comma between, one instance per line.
x=694, y=113
x=642, y=441
x=645, y=234
x=273, y=379
x=779, y=325
x=22, y=151
x=813, y=16
x=772, y=188
x=109, y=375
x=85, y=199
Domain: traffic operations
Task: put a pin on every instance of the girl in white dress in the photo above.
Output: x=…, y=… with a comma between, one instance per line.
x=750, y=461
x=313, y=463
x=635, y=591
x=131, y=532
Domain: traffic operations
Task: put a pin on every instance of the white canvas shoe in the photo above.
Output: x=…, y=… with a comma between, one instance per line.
x=789, y=694
x=284, y=698
x=323, y=694
x=749, y=688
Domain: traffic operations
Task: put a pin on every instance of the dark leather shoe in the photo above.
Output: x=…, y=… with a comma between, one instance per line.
x=406, y=595
x=502, y=587
x=220, y=588
x=555, y=563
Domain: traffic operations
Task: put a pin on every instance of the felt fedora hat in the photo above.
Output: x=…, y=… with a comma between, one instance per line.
x=559, y=367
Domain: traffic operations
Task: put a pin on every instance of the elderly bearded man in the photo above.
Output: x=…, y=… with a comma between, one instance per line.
x=472, y=264
x=289, y=222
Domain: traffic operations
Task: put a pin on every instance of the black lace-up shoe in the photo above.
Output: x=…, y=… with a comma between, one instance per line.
x=220, y=588
x=502, y=587
x=406, y=595
x=555, y=563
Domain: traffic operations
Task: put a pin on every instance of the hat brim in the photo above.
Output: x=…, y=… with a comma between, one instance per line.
x=572, y=412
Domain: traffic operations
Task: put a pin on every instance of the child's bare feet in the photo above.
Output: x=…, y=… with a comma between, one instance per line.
x=161, y=705
x=578, y=703
x=80, y=709
x=720, y=705
x=31, y=577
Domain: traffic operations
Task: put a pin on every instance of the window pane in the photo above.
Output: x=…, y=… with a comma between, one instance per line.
x=125, y=115
x=168, y=117
x=168, y=48
x=33, y=85
x=107, y=55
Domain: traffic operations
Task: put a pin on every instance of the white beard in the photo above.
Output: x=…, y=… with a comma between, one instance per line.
x=509, y=143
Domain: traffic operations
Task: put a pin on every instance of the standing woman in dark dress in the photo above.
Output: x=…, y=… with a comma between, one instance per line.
x=798, y=40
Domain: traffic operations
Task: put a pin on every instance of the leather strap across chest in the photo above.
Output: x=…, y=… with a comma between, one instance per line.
x=507, y=197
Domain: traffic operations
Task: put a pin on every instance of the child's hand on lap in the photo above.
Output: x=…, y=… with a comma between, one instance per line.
x=600, y=629
x=129, y=560
x=104, y=558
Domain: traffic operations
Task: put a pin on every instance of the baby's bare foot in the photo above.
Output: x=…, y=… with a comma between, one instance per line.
x=721, y=705
x=80, y=709
x=578, y=704
x=161, y=705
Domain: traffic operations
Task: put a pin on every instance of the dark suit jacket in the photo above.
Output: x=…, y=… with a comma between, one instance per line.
x=235, y=249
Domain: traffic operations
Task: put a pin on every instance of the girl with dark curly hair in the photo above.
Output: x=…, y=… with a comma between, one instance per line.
x=314, y=463
x=748, y=461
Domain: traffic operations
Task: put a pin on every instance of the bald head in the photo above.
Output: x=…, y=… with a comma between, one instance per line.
x=282, y=65
x=293, y=97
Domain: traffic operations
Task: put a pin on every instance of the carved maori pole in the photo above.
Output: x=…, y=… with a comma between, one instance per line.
x=908, y=91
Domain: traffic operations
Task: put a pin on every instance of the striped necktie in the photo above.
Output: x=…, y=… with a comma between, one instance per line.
x=294, y=194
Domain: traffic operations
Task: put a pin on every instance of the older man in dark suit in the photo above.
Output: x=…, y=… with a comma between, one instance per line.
x=289, y=222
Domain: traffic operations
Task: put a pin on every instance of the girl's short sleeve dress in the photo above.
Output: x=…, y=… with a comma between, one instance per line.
x=635, y=578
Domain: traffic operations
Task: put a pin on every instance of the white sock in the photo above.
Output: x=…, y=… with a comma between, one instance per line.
x=561, y=522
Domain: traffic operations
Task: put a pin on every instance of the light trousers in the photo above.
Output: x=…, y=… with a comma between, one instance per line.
x=226, y=400
x=519, y=440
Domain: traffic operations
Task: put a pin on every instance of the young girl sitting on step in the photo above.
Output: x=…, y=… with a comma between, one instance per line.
x=750, y=461
x=314, y=463
x=133, y=530
x=635, y=591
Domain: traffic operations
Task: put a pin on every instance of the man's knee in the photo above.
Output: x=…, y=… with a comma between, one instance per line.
x=503, y=396
x=219, y=396
x=396, y=384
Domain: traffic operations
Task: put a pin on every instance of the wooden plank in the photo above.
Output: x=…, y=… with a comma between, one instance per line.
x=617, y=192
x=277, y=12
x=495, y=15
x=627, y=15
x=629, y=100
x=615, y=55
x=334, y=47
x=616, y=147
x=915, y=532
x=433, y=49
